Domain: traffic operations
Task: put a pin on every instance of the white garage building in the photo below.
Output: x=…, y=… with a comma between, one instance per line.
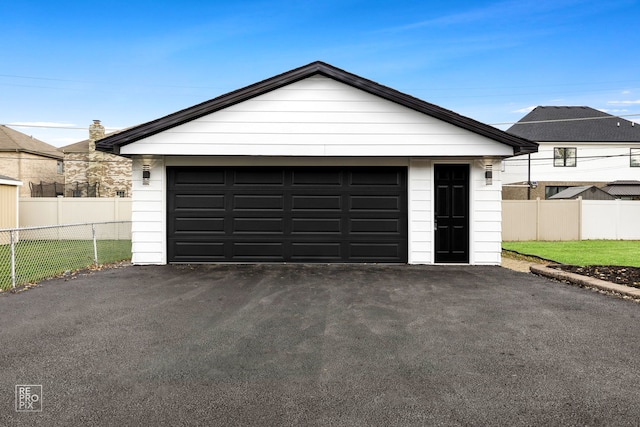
x=316, y=165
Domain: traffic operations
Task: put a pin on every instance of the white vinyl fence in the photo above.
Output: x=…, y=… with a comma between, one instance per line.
x=579, y=219
x=37, y=211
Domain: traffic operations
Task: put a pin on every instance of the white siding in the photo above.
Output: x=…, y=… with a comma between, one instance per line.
x=596, y=162
x=485, y=217
x=148, y=214
x=420, y=212
x=149, y=204
x=321, y=122
x=318, y=116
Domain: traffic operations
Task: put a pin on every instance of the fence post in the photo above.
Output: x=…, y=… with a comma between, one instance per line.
x=579, y=200
x=12, y=241
x=537, y=218
x=95, y=246
x=59, y=213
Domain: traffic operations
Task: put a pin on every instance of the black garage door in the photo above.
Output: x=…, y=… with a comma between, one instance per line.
x=297, y=214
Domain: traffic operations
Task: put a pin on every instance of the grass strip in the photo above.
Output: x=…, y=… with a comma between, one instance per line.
x=39, y=259
x=582, y=252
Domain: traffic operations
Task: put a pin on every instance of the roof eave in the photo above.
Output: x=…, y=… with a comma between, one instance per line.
x=115, y=142
x=34, y=152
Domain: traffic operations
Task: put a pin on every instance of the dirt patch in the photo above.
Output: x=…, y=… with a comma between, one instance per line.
x=524, y=257
x=628, y=276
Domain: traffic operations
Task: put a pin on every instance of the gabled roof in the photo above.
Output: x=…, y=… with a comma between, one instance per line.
x=574, y=124
x=574, y=192
x=623, y=188
x=114, y=142
x=14, y=141
x=624, y=182
x=76, y=147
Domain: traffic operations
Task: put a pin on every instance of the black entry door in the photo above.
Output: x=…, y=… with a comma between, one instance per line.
x=287, y=214
x=452, y=213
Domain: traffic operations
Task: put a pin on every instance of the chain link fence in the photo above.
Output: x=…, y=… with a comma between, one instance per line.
x=31, y=254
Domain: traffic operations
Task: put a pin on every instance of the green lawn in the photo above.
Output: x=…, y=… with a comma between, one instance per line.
x=39, y=259
x=583, y=252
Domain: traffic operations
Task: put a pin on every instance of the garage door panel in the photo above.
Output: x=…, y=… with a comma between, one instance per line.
x=198, y=202
x=258, y=226
x=203, y=251
x=377, y=203
x=369, y=251
x=258, y=202
x=374, y=226
x=316, y=202
x=198, y=226
x=258, y=177
x=316, y=225
x=326, y=178
x=301, y=214
x=188, y=177
x=316, y=251
x=375, y=176
x=264, y=251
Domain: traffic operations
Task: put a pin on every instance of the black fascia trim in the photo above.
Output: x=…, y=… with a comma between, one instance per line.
x=113, y=143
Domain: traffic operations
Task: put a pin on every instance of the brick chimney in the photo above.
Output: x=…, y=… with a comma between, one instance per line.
x=96, y=132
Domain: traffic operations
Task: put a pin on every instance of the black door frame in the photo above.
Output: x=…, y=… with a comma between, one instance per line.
x=452, y=223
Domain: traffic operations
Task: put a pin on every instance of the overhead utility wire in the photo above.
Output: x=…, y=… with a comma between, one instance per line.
x=490, y=124
x=565, y=120
x=49, y=127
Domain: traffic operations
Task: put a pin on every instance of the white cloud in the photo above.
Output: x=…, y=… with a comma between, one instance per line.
x=506, y=10
x=613, y=111
x=525, y=110
x=636, y=102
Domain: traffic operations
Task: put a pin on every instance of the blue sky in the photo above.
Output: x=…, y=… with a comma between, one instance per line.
x=66, y=63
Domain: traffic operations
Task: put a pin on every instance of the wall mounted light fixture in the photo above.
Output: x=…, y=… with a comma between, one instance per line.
x=146, y=174
x=488, y=174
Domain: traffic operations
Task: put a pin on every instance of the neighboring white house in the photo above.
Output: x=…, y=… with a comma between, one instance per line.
x=578, y=146
x=316, y=165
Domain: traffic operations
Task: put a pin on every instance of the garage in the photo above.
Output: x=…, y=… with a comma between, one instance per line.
x=316, y=165
x=287, y=214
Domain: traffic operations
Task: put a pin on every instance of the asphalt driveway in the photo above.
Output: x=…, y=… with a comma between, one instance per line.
x=324, y=345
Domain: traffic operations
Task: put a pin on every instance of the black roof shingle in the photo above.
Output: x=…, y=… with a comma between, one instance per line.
x=574, y=124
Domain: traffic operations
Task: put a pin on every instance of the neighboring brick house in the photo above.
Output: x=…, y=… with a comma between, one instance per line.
x=107, y=175
x=29, y=160
x=578, y=146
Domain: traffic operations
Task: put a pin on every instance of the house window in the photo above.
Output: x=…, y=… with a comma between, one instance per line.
x=60, y=167
x=552, y=190
x=635, y=157
x=121, y=193
x=564, y=157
